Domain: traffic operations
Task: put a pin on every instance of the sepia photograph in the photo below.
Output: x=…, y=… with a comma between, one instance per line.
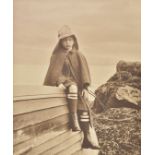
x=77, y=77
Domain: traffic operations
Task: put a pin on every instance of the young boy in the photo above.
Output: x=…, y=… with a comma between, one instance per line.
x=68, y=69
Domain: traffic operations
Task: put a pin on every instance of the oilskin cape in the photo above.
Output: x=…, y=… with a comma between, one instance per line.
x=78, y=64
x=79, y=70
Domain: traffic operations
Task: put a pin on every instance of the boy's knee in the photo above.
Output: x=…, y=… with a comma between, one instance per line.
x=73, y=89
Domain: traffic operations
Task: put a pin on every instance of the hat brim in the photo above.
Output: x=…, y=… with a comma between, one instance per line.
x=65, y=36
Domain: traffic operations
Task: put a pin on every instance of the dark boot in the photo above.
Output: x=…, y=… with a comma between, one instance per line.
x=74, y=122
x=72, y=104
x=88, y=142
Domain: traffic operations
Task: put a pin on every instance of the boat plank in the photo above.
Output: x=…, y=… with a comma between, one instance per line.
x=29, y=132
x=39, y=96
x=71, y=149
x=87, y=152
x=35, y=90
x=23, y=120
x=41, y=122
x=21, y=107
x=65, y=143
x=54, y=142
x=37, y=143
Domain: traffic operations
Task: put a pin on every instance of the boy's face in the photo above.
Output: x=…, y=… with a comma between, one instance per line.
x=67, y=43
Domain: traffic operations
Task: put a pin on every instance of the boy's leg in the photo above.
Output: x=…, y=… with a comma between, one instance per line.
x=72, y=97
x=88, y=141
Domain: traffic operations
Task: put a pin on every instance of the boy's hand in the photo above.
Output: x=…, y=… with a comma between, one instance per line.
x=85, y=94
x=61, y=86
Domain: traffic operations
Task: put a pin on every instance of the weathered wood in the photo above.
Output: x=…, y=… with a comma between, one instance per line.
x=35, y=90
x=71, y=149
x=34, y=97
x=53, y=142
x=65, y=143
x=32, y=144
x=41, y=122
x=29, y=132
x=38, y=145
x=23, y=134
x=21, y=107
x=23, y=120
x=87, y=152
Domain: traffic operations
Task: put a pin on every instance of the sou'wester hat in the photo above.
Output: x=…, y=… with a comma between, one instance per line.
x=64, y=32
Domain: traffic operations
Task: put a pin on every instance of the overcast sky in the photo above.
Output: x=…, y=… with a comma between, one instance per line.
x=107, y=30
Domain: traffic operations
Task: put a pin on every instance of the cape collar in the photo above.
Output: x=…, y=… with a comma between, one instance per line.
x=70, y=52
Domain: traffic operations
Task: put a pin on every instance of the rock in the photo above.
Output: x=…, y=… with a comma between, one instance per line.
x=129, y=94
x=132, y=67
x=123, y=89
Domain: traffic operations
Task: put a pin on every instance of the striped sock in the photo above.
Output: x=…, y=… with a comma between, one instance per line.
x=84, y=117
x=72, y=96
